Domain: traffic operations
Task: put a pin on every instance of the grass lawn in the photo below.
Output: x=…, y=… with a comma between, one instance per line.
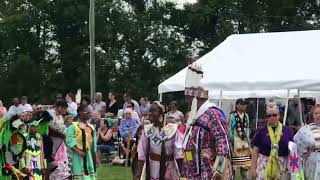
x=109, y=172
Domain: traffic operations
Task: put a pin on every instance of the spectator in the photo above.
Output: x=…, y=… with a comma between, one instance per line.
x=99, y=103
x=128, y=99
x=95, y=120
x=59, y=97
x=134, y=113
x=103, y=112
x=3, y=109
x=113, y=107
x=174, y=112
x=105, y=139
x=293, y=116
x=309, y=111
x=128, y=123
x=14, y=109
x=86, y=101
x=144, y=106
x=72, y=106
x=24, y=106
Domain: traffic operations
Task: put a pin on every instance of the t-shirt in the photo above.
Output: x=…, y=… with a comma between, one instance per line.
x=262, y=141
x=176, y=115
x=97, y=106
x=13, y=110
x=25, y=108
x=293, y=116
x=145, y=109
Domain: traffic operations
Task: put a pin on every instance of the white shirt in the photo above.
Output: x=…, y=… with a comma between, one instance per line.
x=98, y=106
x=72, y=107
x=25, y=107
x=13, y=110
x=176, y=115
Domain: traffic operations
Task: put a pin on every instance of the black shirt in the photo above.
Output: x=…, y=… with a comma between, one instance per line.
x=113, y=108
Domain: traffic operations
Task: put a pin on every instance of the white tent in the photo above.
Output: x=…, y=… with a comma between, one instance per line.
x=251, y=65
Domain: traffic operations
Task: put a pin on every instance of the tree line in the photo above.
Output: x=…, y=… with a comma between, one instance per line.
x=44, y=45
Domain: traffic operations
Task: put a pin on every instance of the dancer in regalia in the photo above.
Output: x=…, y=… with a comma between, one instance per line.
x=308, y=143
x=82, y=140
x=206, y=142
x=53, y=131
x=270, y=154
x=160, y=148
x=238, y=123
x=12, y=145
x=32, y=161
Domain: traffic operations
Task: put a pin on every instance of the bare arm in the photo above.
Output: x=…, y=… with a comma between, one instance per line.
x=107, y=136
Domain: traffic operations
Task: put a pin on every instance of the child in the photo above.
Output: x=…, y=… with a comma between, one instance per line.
x=32, y=161
x=134, y=154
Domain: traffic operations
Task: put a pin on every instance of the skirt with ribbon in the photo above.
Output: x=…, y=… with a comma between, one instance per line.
x=262, y=164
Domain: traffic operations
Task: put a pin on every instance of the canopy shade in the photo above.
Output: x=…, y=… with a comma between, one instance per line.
x=250, y=63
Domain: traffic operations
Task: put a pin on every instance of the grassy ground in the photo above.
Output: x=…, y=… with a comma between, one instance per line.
x=109, y=172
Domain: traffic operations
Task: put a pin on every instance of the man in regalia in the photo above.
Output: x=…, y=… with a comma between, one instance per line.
x=206, y=143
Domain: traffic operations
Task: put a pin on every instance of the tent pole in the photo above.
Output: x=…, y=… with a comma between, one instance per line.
x=257, y=113
x=286, y=108
x=220, y=99
x=300, y=109
x=160, y=97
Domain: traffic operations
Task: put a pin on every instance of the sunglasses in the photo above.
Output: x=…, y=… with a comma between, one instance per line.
x=271, y=115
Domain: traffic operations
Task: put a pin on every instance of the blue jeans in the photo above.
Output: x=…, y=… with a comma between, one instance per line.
x=105, y=148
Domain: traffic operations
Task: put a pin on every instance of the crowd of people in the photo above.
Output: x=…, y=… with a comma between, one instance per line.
x=67, y=140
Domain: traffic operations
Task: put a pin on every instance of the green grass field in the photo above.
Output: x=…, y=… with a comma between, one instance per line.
x=109, y=172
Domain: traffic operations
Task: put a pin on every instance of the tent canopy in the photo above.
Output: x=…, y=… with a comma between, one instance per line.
x=253, y=63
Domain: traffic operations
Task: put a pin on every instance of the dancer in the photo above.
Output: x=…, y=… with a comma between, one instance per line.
x=308, y=143
x=270, y=154
x=206, y=143
x=53, y=130
x=82, y=140
x=238, y=123
x=160, y=148
x=12, y=145
x=33, y=162
x=134, y=154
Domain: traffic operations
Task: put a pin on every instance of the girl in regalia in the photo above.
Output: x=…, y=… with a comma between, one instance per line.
x=160, y=148
x=239, y=130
